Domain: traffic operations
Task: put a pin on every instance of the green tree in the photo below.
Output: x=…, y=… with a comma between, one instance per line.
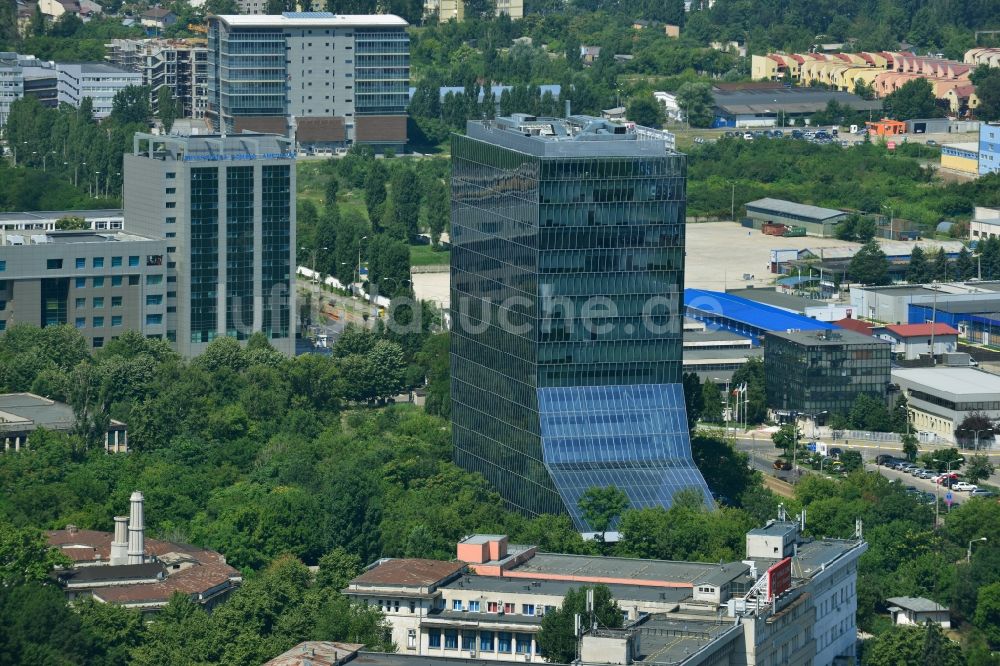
x=868, y=413
x=973, y=429
x=851, y=461
x=965, y=267
x=375, y=194
x=406, y=199
x=694, y=398
x=388, y=266
x=166, y=108
x=646, y=111
x=697, y=103
x=918, y=270
x=602, y=507
x=556, y=638
x=337, y=568
x=25, y=556
x=39, y=628
x=438, y=202
x=177, y=636
x=940, y=267
x=869, y=265
x=786, y=438
x=987, y=616
x=71, y=222
x=131, y=105
x=751, y=374
x=987, y=80
x=913, y=99
x=910, y=449
x=905, y=646
x=117, y=630
x=37, y=26
x=978, y=468
x=712, y=402
x=332, y=189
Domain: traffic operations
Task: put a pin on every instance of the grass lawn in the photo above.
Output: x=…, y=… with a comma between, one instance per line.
x=424, y=255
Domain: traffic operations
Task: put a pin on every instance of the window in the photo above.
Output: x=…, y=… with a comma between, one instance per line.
x=116, y=301
x=99, y=302
x=80, y=283
x=81, y=322
x=98, y=262
x=98, y=282
x=508, y=608
x=450, y=639
x=133, y=280
x=171, y=174
x=486, y=641
x=173, y=308
x=474, y=606
x=81, y=303
x=98, y=343
x=434, y=638
x=171, y=204
x=154, y=319
x=154, y=299
x=523, y=643
x=3, y=325
x=527, y=609
x=171, y=190
x=154, y=279
x=133, y=261
x=98, y=322
x=456, y=604
x=491, y=607
x=171, y=220
x=413, y=604
x=53, y=264
x=411, y=639
x=171, y=234
x=116, y=262
x=116, y=280
x=116, y=320
x=171, y=249
x=173, y=294
x=503, y=642
x=3, y=265
x=81, y=262
x=395, y=606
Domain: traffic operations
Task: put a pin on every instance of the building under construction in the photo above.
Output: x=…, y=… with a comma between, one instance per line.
x=178, y=64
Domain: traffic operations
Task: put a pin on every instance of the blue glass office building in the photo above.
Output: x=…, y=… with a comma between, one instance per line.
x=567, y=270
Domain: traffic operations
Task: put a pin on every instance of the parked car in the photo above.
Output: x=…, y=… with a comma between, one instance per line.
x=797, y=134
x=916, y=471
x=912, y=490
x=835, y=452
x=698, y=139
x=747, y=136
x=931, y=142
x=926, y=474
x=782, y=464
x=777, y=134
x=964, y=486
x=886, y=460
x=730, y=135
x=981, y=492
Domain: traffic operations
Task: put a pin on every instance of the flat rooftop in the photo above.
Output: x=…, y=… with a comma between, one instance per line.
x=977, y=306
x=584, y=568
x=559, y=588
x=691, y=355
x=829, y=338
x=716, y=304
x=19, y=410
x=957, y=382
x=573, y=136
x=47, y=215
x=70, y=238
x=702, y=338
x=313, y=20
x=787, y=100
x=670, y=640
x=777, y=299
x=775, y=528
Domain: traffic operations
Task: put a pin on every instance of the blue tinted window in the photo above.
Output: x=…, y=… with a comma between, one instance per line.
x=98, y=281
x=154, y=279
x=98, y=262
x=133, y=261
x=486, y=641
x=80, y=322
x=98, y=322
x=81, y=262
x=80, y=283
x=116, y=320
x=116, y=262
x=116, y=280
x=154, y=319
x=3, y=265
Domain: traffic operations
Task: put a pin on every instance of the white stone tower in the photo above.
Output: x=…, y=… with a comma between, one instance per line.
x=136, y=526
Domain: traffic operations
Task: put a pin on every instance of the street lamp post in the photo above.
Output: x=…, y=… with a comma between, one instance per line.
x=968, y=553
x=939, y=483
x=359, y=257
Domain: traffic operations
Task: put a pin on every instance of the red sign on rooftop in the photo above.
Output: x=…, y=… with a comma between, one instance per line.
x=779, y=578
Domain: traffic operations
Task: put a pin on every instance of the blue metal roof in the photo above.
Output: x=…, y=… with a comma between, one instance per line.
x=749, y=313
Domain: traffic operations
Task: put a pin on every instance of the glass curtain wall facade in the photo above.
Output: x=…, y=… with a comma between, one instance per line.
x=239, y=252
x=248, y=74
x=814, y=372
x=381, y=72
x=204, y=253
x=275, y=262
x=567, y=279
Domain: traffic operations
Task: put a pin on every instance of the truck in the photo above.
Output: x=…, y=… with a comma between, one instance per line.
x=958, y=360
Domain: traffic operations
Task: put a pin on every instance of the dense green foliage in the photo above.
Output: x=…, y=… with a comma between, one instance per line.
x=557, y=639
x=863, y=178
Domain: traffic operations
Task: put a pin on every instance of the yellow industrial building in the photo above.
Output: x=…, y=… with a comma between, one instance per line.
x=961, y=157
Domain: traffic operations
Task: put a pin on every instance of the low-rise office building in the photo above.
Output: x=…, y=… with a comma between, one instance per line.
x=722, y=311
x=23, y=413
x=811, y=372
x=103, y=283
x=939, y=398
x=911, y=341
x=792, y=600
x=918, y=611
x=98, y=81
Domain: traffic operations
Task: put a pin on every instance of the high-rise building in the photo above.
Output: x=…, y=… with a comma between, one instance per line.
x=567, y=273
x=328, y=80
x=180, y=65
x=226, y=207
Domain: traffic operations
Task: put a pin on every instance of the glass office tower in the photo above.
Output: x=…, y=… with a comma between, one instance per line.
x=567, y=273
